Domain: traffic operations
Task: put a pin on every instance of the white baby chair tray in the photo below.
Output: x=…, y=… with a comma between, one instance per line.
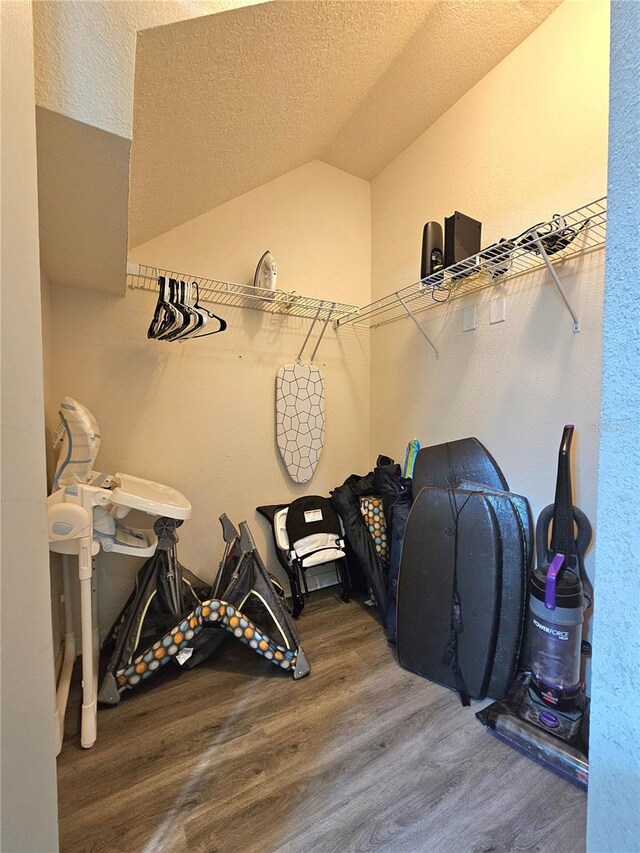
x=147, y=496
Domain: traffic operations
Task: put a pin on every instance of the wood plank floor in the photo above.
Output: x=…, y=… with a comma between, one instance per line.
x=360, y=756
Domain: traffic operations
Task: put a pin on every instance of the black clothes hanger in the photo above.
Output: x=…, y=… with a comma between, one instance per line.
x=203, y=316
x=191, y=318
x=202, y=307
x=164, y=313
x=175, y=318
x=222, y=323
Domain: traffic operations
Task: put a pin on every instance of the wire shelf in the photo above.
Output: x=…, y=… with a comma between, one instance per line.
x=496, y=264
x=292, y=304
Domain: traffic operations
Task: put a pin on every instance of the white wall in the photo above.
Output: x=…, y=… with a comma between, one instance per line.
x=57, y=608
x=28, y=776
x=528, y=140
x=200, y=415
x=613, y=820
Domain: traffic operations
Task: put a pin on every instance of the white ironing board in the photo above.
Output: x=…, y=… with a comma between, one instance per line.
x=300, y=418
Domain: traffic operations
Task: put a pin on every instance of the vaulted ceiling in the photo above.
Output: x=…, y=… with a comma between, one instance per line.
x=225, y=103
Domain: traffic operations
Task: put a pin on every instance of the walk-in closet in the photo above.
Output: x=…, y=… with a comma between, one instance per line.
x=320, y=438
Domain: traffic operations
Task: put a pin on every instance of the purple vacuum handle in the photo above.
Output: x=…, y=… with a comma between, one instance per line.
x=550, y=585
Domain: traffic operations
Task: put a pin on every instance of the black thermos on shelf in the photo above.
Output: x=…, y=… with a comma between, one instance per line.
x=432, y=249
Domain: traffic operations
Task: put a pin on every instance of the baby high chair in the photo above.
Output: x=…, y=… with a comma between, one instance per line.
x=85, y=512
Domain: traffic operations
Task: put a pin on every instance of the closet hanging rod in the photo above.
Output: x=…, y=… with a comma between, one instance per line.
x=494, y=265
x=291, y=304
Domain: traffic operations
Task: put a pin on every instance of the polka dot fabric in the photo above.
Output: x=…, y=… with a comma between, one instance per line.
x=372, y=512
x=213, y=611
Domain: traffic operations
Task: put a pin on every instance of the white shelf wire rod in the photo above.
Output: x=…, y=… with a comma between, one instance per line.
x=233, y=294
x=495, y=264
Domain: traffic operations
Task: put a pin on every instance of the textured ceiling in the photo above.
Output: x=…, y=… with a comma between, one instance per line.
x=84, y=53
x=228, y=102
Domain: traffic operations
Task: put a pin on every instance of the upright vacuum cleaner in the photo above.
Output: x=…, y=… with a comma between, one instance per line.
x=546, y=713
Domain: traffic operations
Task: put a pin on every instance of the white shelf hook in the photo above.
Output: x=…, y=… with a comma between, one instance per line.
x=554, y=277
x=418, y=324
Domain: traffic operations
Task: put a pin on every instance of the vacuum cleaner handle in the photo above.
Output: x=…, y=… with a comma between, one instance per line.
x=582, y=541
x=585, y=531
x=562, y=534
x=542, y=536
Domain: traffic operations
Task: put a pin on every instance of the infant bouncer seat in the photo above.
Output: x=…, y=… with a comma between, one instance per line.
x=85, y=512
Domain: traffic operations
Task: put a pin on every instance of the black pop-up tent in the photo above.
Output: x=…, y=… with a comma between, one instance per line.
x=170, y=616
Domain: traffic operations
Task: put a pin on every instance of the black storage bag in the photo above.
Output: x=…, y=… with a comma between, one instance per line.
x=346, y=502
x=386, y=482
x=518, y=555
x=449, y=590
x=450, y=463
x=396, y=530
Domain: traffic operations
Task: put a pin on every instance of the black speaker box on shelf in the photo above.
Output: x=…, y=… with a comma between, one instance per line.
x=461, y=238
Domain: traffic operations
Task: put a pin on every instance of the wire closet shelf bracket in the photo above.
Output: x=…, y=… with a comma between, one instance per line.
x=292, y=304
x=542, y=246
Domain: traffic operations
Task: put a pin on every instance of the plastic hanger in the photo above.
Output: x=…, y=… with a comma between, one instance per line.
x=191, y=318
x=204, y=314
x=162, y=311
x=172, y=319
x=182, y=318
x=177, y=317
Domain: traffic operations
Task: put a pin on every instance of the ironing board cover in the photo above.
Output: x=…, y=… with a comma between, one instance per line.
x=373, y=514
x=300, y=418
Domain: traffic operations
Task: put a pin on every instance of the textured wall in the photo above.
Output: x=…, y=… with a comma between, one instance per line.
x=200, y=415
x=28, y=774
x=83, y=194
x=85, y=53
x=614, y=785
x=510, y=160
